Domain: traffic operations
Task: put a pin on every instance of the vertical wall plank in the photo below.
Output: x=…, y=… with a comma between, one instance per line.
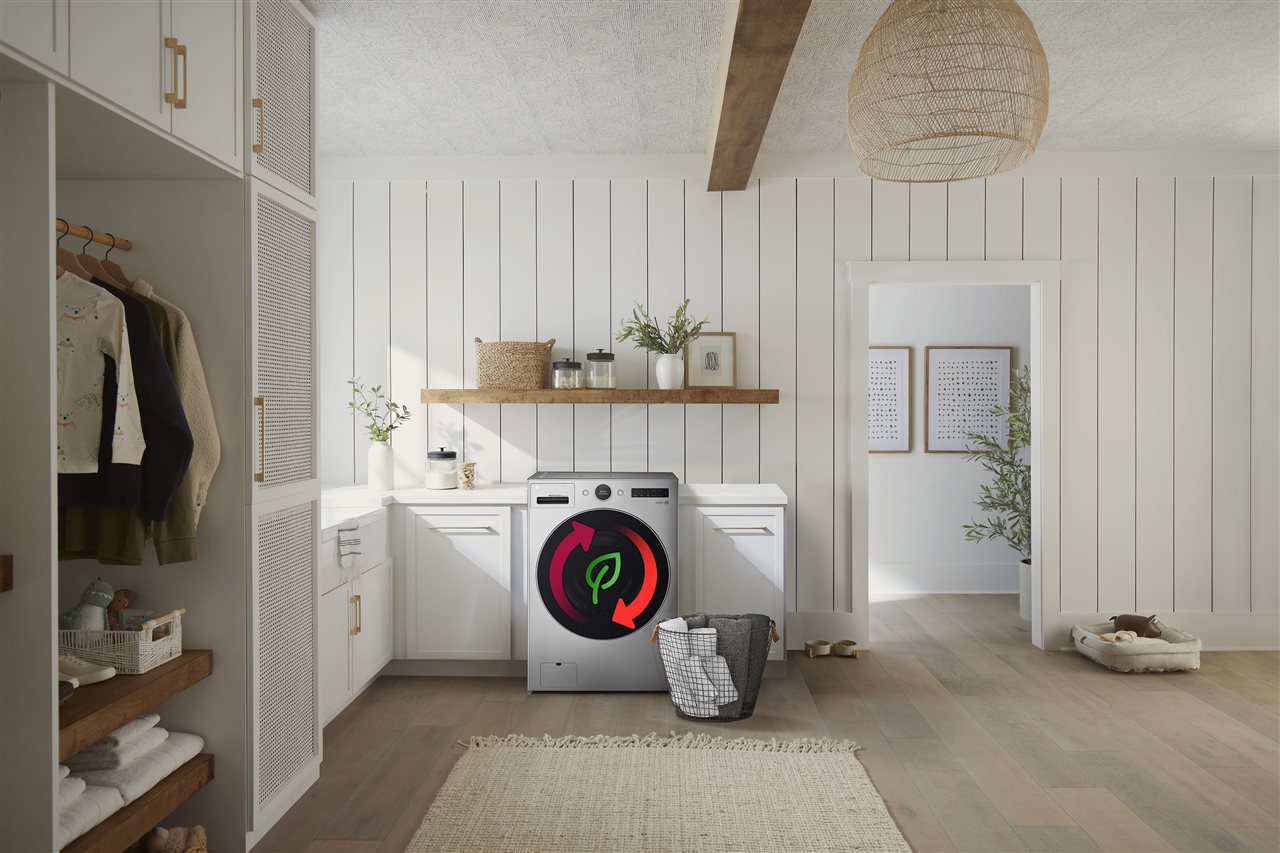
x=629, y=242
x=778, y=349
x=1193, y=393
x=740, y=248
x=1117, y=387
x=409, y=326
x=555, y=312
x=335, y=299
x=666, y=292
x=518, y=317
x=815, y=414
x=1004, y=218
x=1265, y=401
x=1154, y=396
x=890, y=221
x=1232, y=258
x=703, y=426
x=371, y=313
x=928, y=222
x=591, y=314
x=445, y=368
x=481, y=314
x=966, y=221
x=1041, y=225
x=1079, y=510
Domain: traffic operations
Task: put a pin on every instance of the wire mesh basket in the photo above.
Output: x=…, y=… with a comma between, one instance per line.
x=130, y=652
x=714, y=669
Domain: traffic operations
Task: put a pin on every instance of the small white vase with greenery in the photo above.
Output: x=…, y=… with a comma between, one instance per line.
x=1007, y=499
x=667, y=343
x=382, y=417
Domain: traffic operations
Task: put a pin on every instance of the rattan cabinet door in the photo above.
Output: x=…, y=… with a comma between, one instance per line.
x=281, y=116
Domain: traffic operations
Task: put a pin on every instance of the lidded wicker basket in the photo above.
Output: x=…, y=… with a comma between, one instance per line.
x=513, y=365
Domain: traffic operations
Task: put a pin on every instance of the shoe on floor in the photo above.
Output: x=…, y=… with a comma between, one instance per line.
x=83, y=671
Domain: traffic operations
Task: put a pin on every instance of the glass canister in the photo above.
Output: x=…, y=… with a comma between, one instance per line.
x=600, y=370
x=442, y=469
x=566, y=374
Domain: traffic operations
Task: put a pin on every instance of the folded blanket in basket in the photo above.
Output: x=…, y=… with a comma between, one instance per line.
x=63, y=771
x=129, y=731
x=117, y=756
x=69, y=789
x=142, y=774
x=93, y=806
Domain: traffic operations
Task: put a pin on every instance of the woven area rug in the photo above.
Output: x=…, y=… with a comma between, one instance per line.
x=683, y=793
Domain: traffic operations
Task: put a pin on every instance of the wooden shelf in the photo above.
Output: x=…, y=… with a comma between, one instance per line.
x=135, y=820
x=600, y=395
x=98, y=709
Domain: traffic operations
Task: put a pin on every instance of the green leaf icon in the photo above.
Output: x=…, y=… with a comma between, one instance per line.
x=598, y=582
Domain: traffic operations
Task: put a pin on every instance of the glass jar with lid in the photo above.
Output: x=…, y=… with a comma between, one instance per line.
x=600, y=370
x=442, y=469
x=566, y=374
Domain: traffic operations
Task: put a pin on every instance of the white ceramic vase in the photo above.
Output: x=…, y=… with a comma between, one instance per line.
x=382, y=466
x=670, y=370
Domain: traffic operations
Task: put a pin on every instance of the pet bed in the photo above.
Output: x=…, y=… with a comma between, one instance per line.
x=1174, y=651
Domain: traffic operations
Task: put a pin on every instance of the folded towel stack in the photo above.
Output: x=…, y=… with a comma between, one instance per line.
x=700, y=678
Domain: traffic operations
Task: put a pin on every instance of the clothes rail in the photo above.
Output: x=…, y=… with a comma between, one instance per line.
x=62, y=226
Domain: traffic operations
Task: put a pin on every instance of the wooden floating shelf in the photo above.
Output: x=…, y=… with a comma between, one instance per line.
x=122, y=829
x=96, y=710
x=601, y=395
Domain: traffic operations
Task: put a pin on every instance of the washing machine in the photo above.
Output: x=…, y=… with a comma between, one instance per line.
x=602, y=573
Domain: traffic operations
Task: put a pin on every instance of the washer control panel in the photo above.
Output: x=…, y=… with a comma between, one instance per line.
x=651, y=492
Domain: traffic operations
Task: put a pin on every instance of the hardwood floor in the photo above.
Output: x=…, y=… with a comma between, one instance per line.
x=975, y=739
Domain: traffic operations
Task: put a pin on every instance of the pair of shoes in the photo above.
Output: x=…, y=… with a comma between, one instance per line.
x=82, y=672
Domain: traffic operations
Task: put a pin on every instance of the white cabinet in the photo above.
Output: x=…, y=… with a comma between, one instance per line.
x=374, y=628
x=209, y=113
x=738, y=562
x=336, y=617
x=120, y=52
x=38, y=28
x=457, y=582
x=281, y=119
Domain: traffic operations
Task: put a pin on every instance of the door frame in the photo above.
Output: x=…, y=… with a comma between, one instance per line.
x=1045, y=281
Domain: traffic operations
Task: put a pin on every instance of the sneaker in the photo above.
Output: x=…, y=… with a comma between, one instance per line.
x=83, y=671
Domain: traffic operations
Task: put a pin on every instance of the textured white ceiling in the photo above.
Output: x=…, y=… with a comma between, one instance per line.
x=638, y=76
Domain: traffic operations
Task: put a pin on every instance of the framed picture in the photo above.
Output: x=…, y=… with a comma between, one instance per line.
x=961, y=385
x=711, y=361
x=889, y=399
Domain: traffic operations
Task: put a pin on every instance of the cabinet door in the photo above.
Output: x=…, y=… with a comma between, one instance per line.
x=372, y=641
x=209, y=112
x=740, y=563
x=281, y=116
x=120, y=54
x=336, y=621
x=282, y=248
x=37, y=28
x=458, y=584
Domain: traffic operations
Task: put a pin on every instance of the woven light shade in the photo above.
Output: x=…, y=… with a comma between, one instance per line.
x=947, y=90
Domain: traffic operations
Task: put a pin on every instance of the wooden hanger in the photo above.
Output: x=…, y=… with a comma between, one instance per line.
x=66, y=261
x=92, y=264
x=117, y=273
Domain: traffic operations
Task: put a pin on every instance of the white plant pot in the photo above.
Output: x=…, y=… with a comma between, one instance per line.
x=382, y=467
x=670, y=370
x=1024, y=591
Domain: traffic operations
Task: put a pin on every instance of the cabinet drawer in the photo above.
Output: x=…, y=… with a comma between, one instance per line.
x=373, y=543
x=329, y=571
x=741, y=563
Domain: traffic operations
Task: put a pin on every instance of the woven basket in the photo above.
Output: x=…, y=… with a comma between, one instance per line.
x=130, y=652
x=514, y=365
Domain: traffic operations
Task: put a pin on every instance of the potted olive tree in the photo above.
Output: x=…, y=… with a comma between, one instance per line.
x=1007, y=498
x=668, y=344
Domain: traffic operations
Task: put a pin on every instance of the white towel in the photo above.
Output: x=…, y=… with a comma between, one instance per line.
x=63, y=771
x=142, y=774
x=129, y=731
x=717, y=670
x=118, y=756
x=69, y=789
x=92, y=807
x=702, y=642
x=676, y=624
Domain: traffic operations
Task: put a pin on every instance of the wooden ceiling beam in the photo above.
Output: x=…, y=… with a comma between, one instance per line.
x=759, y=38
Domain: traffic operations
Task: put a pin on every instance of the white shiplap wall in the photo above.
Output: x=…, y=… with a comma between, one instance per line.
x=1168, y=408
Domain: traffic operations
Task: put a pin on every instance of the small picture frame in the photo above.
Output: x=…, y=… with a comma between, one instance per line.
x=889, y=415
x=711, y=361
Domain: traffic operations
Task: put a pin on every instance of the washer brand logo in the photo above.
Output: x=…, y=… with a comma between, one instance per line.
x=603, y=573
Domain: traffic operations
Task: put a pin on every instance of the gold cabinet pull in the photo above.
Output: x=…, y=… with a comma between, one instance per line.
x=354, y=602
x=180, y=103
x=171, y=43
x=257, y=105
x=355, y=599
x=260, y=473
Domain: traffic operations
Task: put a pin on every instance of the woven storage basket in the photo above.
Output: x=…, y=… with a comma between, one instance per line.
x=130, y=652
x=515, y=365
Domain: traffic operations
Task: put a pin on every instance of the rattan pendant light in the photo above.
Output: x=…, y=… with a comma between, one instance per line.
x=947, y=90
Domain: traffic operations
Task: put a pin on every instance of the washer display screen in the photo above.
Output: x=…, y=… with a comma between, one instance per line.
x=603, y=574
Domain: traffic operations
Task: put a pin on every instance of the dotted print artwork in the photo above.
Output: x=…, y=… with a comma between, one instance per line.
x=887, y=400
x=964, y=388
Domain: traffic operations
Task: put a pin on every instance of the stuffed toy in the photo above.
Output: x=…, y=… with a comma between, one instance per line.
x=91, y=613
x=122, y=600
x=1143, y=626
x=178, y=839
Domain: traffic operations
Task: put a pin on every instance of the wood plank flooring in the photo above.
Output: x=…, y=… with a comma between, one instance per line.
x=975, y=739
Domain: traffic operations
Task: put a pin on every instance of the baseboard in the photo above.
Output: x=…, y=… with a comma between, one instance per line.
x=468, y=668
x=942, y=578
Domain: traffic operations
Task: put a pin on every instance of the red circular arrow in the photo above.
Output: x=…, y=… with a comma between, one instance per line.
x=625, y=614
x=579, y=536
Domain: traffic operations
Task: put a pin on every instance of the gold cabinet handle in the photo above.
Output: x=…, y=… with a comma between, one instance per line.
x=359, y=626
x=180, y=103
x=257, y=105
x=260, y=473
x=354, y=602
x=171, y=43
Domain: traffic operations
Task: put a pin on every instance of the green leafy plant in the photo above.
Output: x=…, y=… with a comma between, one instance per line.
x=647, y=334
x=383, y=414
x=1007, y=498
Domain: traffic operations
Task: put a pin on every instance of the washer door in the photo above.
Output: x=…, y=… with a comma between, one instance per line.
x=603, y=574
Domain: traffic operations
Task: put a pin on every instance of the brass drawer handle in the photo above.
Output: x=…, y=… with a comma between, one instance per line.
x=257, y=105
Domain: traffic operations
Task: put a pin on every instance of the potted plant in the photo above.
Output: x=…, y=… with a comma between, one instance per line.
x=669, y=343
x=1007, y=498
x=383, y=417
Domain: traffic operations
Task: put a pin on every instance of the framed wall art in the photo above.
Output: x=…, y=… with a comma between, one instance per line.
x=710, y=361
x=961, y=385
x=889, y=399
